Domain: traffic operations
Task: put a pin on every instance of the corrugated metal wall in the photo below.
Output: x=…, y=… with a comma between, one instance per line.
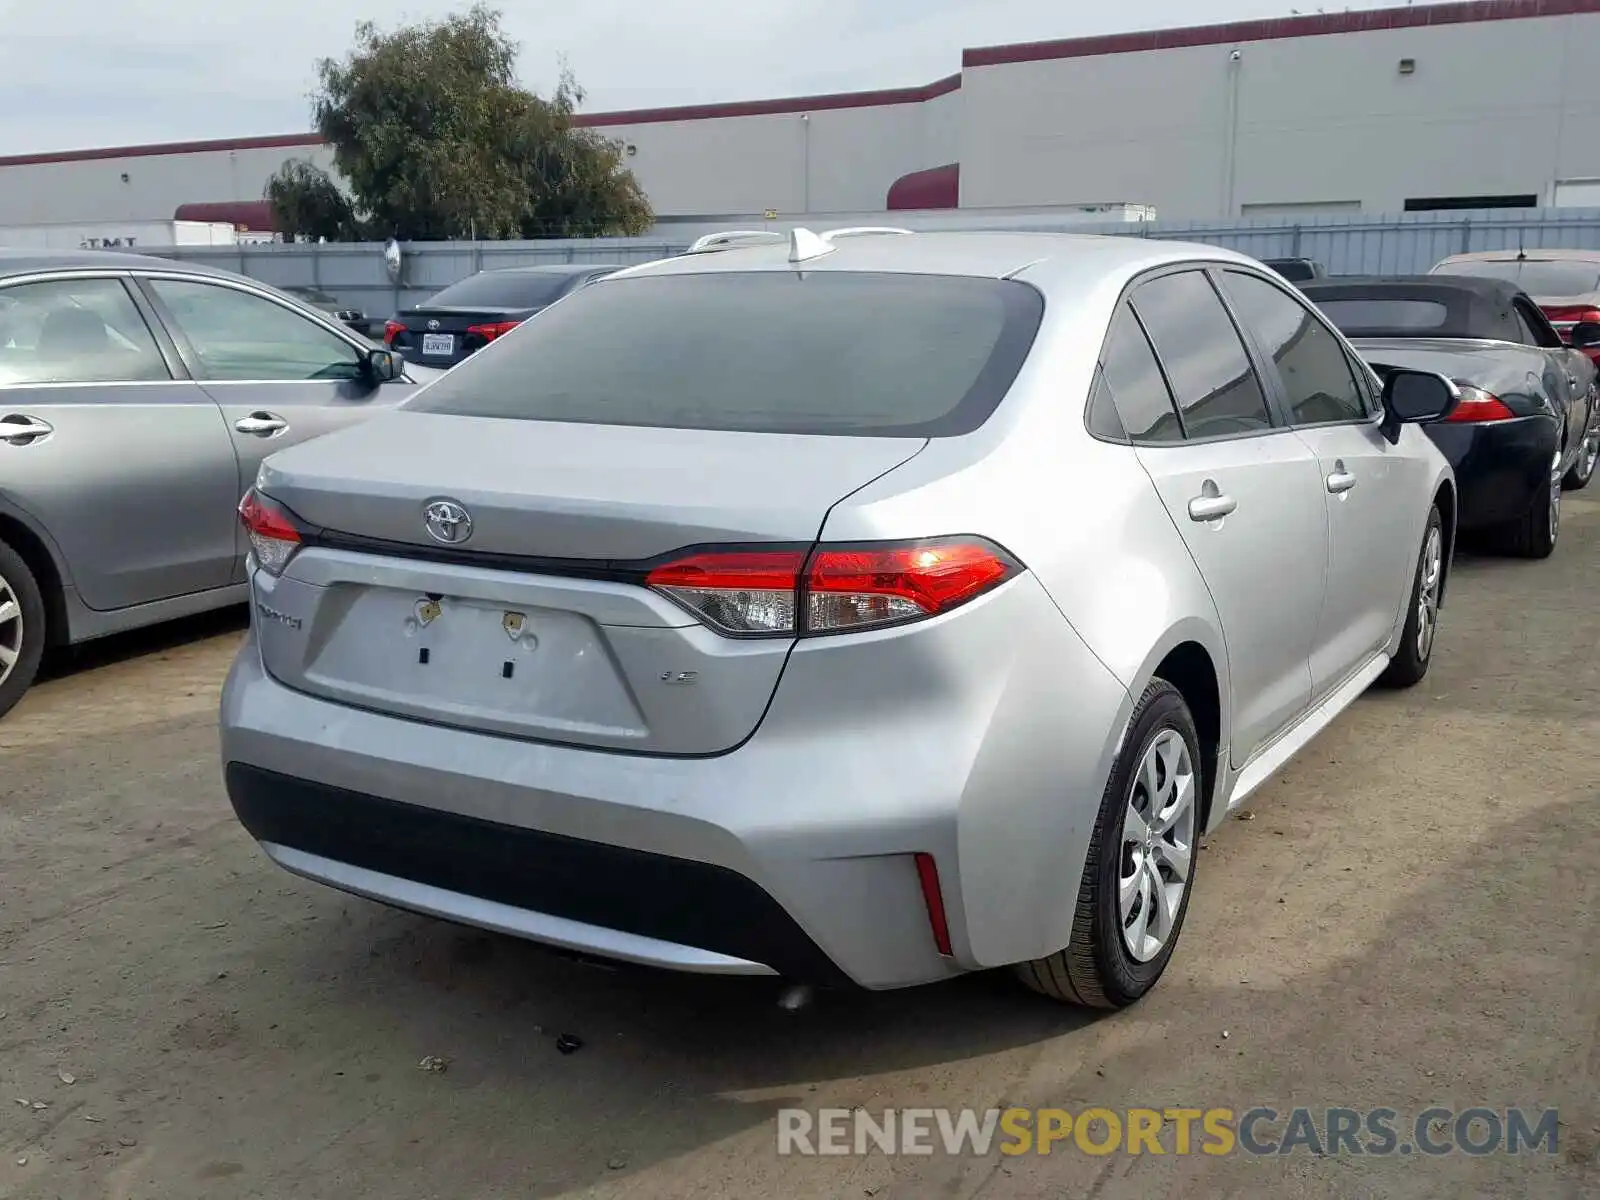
x=1347, y=245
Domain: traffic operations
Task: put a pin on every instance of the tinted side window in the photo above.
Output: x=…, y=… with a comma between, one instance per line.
x=1216, y=387
x=75, y=331
x=1317, y=382
x=238, y=336
x=1130, y=378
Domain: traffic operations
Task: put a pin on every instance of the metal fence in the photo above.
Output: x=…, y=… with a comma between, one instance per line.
x=1347, y=245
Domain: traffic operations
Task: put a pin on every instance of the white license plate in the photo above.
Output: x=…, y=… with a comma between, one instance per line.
x=439, y=343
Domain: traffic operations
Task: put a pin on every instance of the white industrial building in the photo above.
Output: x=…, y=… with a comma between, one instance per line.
x=1430, y=106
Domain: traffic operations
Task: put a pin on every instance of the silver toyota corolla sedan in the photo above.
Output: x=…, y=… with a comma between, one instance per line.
x=855, y=607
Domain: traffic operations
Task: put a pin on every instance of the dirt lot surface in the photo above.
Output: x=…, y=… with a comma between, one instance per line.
x=1409, y=919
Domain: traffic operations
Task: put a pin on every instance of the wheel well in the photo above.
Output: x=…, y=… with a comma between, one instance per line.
x=1188, y=668
x=32, y=551
x=1445, y=499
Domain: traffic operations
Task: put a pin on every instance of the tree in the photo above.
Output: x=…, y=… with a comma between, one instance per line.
x=308, y=203
x=437, y=140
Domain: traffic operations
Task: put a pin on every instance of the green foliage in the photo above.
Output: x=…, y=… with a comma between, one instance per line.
x=307, y=203
x=436, y=140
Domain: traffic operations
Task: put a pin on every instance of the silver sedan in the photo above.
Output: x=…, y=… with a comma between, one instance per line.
x=864, y=607
x=137, y=398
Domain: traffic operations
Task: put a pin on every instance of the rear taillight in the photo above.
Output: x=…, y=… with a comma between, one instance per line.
x=1478, y=406
x=390, y=330
x=493, y=330
x=834, y=589
x=273, y=536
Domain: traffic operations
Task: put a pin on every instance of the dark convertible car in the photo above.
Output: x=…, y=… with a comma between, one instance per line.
x=1528, y=423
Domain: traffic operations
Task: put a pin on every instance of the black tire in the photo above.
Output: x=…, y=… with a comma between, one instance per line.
x=1534, y=535
x=1095, y=969
x=1410, y=662
x=1582, y=471
x=17, y=582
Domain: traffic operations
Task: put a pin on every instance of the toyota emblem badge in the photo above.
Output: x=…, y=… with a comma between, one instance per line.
x=447, y=522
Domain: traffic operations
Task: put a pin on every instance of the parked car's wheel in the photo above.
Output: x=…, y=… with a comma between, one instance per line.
x=1141, y=864
x=21, y=628
x=1410, y=662
x=1534, y=535
x=1577, y=478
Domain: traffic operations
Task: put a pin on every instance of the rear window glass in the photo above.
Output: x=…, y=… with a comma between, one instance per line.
x=512, y=289
x=1537, y=277
x=771, y=352
x=1401, y=316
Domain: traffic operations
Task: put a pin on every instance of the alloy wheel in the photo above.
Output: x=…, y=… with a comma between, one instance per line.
x=1157, y=845
x=11, y=630
x=1428, y=593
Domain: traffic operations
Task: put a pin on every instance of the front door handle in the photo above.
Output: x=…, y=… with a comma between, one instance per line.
x=19, y=430
x=261, y=424
x=1211, y=505
x=1341, y=481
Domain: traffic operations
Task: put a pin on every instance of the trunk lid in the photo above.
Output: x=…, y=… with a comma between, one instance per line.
x=536, y=625
x=443, y=335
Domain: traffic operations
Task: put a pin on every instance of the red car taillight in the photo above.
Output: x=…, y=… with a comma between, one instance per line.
x=493, y=330
x=834, y=589
x=273, y=537
x=1477, y=406
x=390, y=328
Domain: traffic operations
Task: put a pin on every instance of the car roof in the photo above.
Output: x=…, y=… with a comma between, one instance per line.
x=27, y=261
x=1539, y=254
x=1475, y=306
x=1441, y=287
x=1053, y=259
x=552, y=269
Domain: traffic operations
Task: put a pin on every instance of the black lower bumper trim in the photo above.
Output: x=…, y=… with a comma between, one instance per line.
x=672, y=899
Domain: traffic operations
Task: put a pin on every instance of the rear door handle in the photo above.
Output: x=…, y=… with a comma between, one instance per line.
x=19, y=430
x=261, y=424
x=1211, y=505
x=1341, y=481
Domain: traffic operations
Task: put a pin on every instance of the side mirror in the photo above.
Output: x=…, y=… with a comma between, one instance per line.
x=1585, y=335
x=1413, y=397
x=382, y=365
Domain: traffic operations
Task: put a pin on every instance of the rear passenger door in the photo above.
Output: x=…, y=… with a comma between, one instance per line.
x=279, y=376
x=1369, y=487
x=1245, y=494
x=124, y=462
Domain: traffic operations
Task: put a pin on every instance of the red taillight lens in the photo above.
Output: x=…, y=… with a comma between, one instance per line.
x=840, y=588
x=1477, y=406
x=849, y=588
x=740, y=592
x=273, y=537
x=493, y=330
x=390, y=329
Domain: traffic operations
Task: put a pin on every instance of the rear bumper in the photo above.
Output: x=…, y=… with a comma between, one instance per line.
x=1501, y=467
x=792, y=855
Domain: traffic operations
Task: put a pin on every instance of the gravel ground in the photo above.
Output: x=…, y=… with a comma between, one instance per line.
x=1410, y=918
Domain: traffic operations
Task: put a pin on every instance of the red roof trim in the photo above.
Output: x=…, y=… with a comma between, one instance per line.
x=276, y=141
x=767, y=108
x=1276, y=28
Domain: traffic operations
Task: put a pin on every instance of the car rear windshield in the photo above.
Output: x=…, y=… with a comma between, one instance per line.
x=503, y=289
x=1537, y=277
x=1361, y=314
x=850, y=353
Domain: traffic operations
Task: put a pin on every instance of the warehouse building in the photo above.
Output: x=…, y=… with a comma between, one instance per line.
x=1432, y=106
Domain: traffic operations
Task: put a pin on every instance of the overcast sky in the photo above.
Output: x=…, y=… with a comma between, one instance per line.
x=112, y=72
